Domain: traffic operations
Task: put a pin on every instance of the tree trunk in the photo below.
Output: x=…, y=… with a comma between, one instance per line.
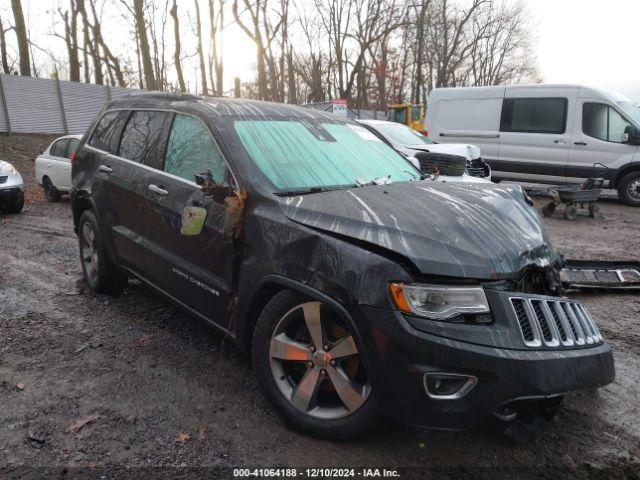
x=176, y=53
x=216, y=25
x=203, y=70
x=143, y=41
x=3, y=51
x=23, y=40
x=291, y=77
x=71, y=39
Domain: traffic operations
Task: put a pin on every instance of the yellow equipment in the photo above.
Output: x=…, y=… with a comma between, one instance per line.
x=407, y=114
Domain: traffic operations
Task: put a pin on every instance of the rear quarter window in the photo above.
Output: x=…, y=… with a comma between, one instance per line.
x=106, y=134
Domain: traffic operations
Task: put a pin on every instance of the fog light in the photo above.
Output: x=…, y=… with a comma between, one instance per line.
x=448, y=386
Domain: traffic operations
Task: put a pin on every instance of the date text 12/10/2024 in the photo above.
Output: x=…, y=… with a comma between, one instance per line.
x=315, y=473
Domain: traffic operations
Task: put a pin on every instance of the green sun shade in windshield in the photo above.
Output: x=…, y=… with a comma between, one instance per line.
x=294, y=154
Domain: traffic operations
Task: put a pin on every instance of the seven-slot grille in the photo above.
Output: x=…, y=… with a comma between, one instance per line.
x=3, y=179
x=554, y=323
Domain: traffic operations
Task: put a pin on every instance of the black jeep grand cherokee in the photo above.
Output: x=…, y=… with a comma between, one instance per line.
x=357, y=286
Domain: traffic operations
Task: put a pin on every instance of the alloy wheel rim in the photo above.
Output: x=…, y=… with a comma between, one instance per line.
x=88, y=251
x=634, y=189
x=315, y=363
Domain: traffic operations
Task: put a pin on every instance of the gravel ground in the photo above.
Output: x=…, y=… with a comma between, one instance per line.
x=90, y=381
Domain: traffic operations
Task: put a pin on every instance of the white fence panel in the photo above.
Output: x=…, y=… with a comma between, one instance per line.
x=117, y=92
x=42, y=105
x=33, y=104
x=4, y=126
x=82, y=102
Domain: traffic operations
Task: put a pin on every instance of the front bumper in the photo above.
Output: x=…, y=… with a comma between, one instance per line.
x=10, y=183
x=403, y=355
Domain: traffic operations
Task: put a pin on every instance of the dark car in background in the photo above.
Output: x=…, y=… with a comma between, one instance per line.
x=357, y=287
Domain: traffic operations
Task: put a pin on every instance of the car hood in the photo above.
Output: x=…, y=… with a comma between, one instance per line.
x=470, y=152
x=476, y=231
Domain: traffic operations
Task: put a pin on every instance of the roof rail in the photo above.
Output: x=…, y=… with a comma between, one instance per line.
x=164, y=95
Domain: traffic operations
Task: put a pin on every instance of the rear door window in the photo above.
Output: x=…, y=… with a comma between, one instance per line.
x=534, y=115
x=603, y=122
x=60, y=148
x=106, y=135
x=192, y=150
x=143, y=138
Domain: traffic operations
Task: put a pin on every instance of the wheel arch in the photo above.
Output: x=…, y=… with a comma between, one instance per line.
x=79, y=204
x=271, y=285
x=628, y=168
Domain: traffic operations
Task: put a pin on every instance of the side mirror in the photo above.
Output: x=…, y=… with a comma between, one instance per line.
x=218, y=191
x=631, y=135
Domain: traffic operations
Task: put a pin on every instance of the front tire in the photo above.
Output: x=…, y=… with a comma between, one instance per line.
x=629, y=189
x=308, y=365
x=16, y=204
x=100, y=272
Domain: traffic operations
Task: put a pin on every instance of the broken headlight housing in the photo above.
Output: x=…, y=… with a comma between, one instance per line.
x=440, y=302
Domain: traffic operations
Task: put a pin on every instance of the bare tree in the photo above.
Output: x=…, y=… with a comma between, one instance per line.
x=502, y=52
x=71, y=39
x=6, y=68
x=143, y=41
x=216, y=61
x=262, y=33
x=176, y=51
x=22, y=38
x=203, y=70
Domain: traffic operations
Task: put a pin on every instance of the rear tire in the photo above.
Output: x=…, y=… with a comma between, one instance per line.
x=629, y=189
x=549, y=209
x=304, y=387
x=51, y=193
x=100, y=272
x=570, y=212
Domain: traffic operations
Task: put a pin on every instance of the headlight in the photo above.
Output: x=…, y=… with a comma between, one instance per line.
x=8, y=169
x=439, y=302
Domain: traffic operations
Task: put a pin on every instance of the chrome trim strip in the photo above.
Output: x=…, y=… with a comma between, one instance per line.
x=471, y=382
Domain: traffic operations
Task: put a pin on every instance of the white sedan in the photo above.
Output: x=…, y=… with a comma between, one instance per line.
x=53, y=166
x=409, y=143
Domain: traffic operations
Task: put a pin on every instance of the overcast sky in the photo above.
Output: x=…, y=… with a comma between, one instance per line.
x=590, y=42
x=578, y=41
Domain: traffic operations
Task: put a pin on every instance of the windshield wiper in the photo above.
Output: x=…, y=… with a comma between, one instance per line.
x=310, y=190
x=301, y=191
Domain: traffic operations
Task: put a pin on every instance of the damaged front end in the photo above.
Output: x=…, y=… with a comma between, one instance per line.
x=601, y=275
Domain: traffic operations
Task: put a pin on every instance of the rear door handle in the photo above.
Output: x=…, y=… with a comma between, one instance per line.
x=580, y=143
x=158, y=190
x=105, y=169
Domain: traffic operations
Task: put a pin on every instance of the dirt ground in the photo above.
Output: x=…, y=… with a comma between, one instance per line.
x=129, y=381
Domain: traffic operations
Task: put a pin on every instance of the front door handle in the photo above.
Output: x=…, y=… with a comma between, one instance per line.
x=105, y=169
x=158, y=190
x=580, y=143
x=560, y=141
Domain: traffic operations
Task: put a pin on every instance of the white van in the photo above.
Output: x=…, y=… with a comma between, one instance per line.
x=544, y=133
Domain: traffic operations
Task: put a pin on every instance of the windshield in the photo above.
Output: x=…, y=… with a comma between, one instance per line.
x=632, y=110
x=300, y=155
x=401, y=134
